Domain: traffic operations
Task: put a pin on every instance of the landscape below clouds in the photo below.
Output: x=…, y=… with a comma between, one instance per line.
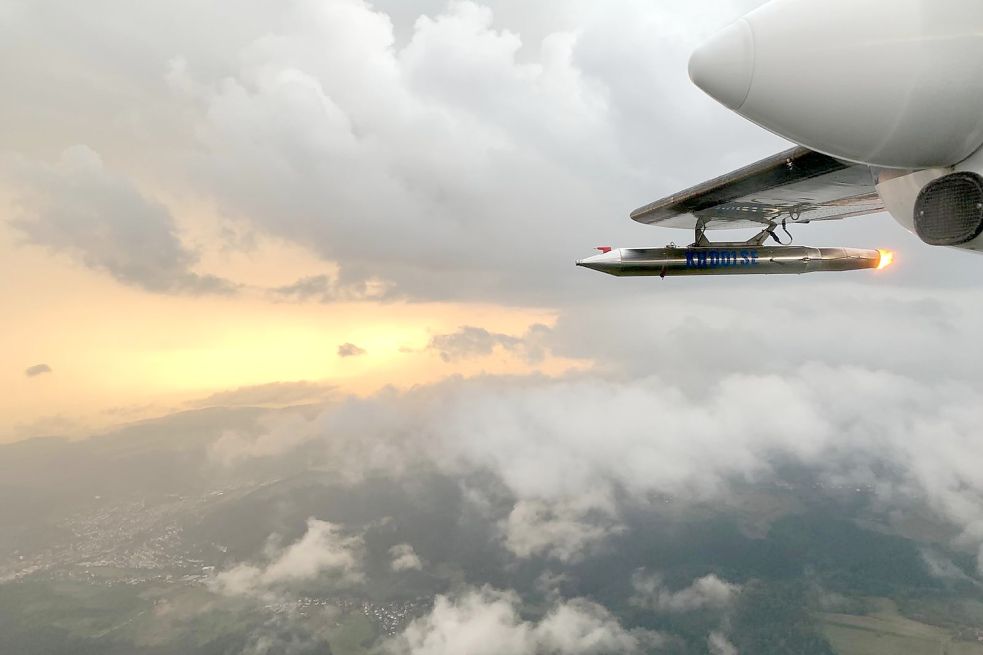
x=652, y=503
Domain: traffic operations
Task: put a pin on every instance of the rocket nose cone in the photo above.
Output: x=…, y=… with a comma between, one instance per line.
x=724, y=65
x=606, y=262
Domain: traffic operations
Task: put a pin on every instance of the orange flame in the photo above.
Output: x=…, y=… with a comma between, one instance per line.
x=887, y=258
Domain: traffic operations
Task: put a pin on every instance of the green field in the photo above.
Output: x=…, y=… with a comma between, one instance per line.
x=354, y=636
x=885, y=632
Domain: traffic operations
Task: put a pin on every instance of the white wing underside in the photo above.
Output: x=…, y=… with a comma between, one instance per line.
x=795, y=186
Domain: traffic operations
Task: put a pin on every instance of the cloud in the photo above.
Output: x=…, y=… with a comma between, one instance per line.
x=698, y=333
x=404, y=558
x=323, y=551
x=469, y=342
x=284, y=634
x=564, y=530
x=329, y=289
x=708, y=592
x=36, y=370
x=350, y=350
x=673, y=408
x=485, y=621
x=718, y=644
x=945, y=569
x=272, y=394
x=278, y=435
x=59, y=425
x=79, y=207
x=469, y=153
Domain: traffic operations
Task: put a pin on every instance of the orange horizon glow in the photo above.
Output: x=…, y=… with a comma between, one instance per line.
x=118, y=353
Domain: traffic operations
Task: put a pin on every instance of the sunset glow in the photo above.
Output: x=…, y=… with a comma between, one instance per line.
x=119, y=354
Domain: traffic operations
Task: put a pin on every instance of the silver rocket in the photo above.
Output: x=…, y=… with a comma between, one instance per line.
x=737, y=259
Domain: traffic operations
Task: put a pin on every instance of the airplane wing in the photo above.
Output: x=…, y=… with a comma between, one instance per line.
x=797, y=186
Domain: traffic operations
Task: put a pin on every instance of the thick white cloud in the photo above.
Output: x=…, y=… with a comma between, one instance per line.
x=487, y=622
x=472, y=152
x=404, y=558
x=708, y=592
x=323, y=551
x=494, y=141
x=398, y=164
x=564, y=530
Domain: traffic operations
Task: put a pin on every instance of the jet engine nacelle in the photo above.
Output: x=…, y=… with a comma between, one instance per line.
x=895, y=84
x=943, y=206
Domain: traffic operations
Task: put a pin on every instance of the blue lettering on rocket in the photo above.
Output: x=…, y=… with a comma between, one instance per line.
x=704, y=258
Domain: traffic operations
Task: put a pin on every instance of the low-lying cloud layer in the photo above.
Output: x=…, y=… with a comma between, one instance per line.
x=568, y=449
x=487, y=622
x=565, y=530
x=708, y=592
x=323, y=551
x=404, y=558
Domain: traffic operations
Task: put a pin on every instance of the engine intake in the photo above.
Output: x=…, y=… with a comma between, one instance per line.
x=949, y=210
